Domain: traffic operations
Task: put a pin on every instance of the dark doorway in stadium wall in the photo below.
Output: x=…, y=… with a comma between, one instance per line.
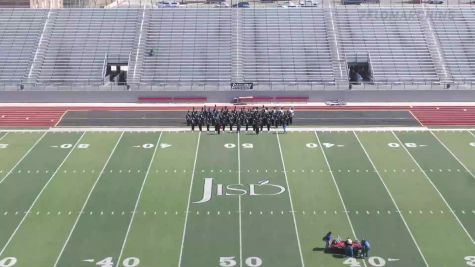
x=359, y=72
x=116, y=73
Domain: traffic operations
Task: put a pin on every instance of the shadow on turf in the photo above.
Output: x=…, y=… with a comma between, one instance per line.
x=329, y=251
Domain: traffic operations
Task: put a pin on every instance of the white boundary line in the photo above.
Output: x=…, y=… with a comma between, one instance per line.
x=239, y=197
x=453, y=155
x=87, y=200
x=393, y=200
x=290, y=129
x=433, y=185
x=39, y=194
x=137, y=201
x=291, y=203
x=337, y=189
x=23, y=157
x=189, y=199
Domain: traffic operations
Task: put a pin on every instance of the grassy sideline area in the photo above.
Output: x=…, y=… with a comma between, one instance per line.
x=128, y=199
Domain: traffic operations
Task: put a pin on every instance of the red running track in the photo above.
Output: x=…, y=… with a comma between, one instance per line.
x=44, y=117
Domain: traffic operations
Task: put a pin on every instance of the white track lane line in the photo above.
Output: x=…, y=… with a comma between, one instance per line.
x=337, y=189
x=433, y=185
x=40, y=193
x=453, y=155
x=137, y=201
x=87, y=199
x=23, y=157
x=189, y=199
x=239, y=197
x=392, y=198
x=291, y=203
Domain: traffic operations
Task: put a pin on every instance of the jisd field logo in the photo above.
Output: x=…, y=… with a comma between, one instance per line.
x=262, y=188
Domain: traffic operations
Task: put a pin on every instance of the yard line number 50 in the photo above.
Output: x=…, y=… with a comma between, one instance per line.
x=231, y=261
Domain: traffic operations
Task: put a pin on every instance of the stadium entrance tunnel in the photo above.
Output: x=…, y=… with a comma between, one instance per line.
x=116, y=73
x=359, y=69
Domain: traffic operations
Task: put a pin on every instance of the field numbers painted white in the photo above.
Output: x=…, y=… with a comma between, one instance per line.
x=231, y=261
x=311, y=145
x=227, y=261
x=163, y=145
x=409, y=145
x=109, y=262
x=253, y=262
x=373, y=261
x=352, y=262
x=471, y=144
x=8, y=262
x=147, y=146
x=247, y=145
x=131, y=262
x=244, y=145
x=328, y=145
x=229, y=145
x=470, y=260
x=68, y=146
x=3, y=146
x=83, y=146
x=376, y=261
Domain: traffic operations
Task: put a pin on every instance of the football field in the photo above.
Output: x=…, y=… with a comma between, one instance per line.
x=182, y=199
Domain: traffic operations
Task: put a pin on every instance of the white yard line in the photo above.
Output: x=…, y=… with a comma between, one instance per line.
x=189, y=199
x=337, y=189
x=433, y=185
x=39, y=194
x=239, y=197
x=87, y=199
x=453, y=155
x=392, y=198
x=290, y=198
x=23, y=157
x=3, y=136
x=137, y=202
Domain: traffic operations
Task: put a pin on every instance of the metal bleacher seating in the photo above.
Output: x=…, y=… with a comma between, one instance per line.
x=285, y=46
x=391, y=39
x=209, y=48
x=189, y=46
x=454, y=28
x=20, y=30
x=76, y=43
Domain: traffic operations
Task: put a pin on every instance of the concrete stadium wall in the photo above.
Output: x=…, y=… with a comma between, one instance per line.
x=227, y=96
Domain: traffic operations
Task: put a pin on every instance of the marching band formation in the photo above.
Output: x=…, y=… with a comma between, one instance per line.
x=255, y=118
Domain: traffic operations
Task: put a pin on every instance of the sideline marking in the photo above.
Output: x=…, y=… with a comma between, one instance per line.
x=290, y=198
x=87, y=200
x=391, y=196
x=338, y=190
x=23, y=157
x=453, y=155
x=433, y=185
x=138, y=200
x=40, y=193
x=189, y=199
x=239, y=198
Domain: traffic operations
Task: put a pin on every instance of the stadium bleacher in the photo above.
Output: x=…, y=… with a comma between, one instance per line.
x=20, y=31
x=207, y=49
